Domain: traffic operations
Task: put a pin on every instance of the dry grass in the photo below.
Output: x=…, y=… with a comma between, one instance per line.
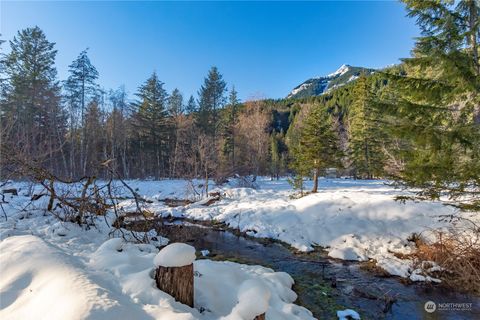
x=458, y=253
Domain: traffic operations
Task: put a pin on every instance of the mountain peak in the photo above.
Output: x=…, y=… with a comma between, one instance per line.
x=343, y=69
x=320, y=85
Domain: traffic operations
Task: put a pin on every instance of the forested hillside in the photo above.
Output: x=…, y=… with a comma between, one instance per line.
x=320, y=85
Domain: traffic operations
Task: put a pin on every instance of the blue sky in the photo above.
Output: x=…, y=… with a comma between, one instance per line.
x=263, y=48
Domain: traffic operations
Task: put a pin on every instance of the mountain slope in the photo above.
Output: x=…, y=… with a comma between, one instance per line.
x=317, y=86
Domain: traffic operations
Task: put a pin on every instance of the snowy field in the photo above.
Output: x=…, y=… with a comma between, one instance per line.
x=56, y=270
x=351, y=219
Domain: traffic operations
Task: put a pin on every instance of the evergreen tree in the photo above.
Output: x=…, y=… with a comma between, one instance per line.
x=229, y=128
x=211, y=99
x=95, y=139
x=152, y=126
x=81, y=84
x=175, y=103
x=318, y=146
x=365, y=136
x=117, y=129
x=176, y=110
x=81, y=89
x=191, y=106
x=275, y=155
x=3, y=76
x=434, y=102
x=31, y=98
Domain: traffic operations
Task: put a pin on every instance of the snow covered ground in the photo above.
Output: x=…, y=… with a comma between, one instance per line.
x=56, y=270
x=352, y=220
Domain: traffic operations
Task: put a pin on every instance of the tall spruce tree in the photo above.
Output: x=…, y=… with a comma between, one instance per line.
x=81, y=88
x=3, y=76
x=276, y=154
x=229, y=125
x=175, y=103
x=434, y=102
x=364, y=132
x=31, y=99
x=176, y=111
x=318, y=146
x=191, y=106
x=152, y=127
x=117, y=125
x=211, y=99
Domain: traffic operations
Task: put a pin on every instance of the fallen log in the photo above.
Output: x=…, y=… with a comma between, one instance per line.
x=12, y=191
x=176, y=202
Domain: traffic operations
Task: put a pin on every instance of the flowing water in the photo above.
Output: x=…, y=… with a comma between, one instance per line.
x=324, y=285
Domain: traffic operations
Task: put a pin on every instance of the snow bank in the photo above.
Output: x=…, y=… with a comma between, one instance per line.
x=253, y=298
x=116, y=281
x=347, y=314
x=351, y=219
x=41, y=280
x=175, y=255
x=228, y=287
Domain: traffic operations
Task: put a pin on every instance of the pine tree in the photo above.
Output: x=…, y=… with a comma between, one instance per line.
x=3, y=76
x=318, y=146
x=95, y=139
x=275, y=155
x=434, y=102
x=117, y=129
x=175, y=103
x=152, y=126
x=31, y=99
x=81, y=84
x=191, y=106
x=211, y=99
x=364, y=131
x=229, y=124
x=81, y=89
x=176, y=111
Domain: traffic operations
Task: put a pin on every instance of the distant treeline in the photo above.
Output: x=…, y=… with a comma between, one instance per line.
x=417, y=122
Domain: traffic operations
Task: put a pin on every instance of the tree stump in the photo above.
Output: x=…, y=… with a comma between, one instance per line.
x=177, y=282
x=260, y=317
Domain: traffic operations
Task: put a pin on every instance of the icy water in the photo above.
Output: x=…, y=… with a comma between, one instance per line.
x=323, y=285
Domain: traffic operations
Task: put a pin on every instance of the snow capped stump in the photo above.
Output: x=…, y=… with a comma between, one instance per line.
x=174, y=274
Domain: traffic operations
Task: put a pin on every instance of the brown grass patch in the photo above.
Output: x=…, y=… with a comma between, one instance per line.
x=458, y=253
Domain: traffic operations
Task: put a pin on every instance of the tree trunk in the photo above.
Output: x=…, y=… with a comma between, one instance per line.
x=260, y=317
x=177, y=282
x=206, y=182
x=315, y=180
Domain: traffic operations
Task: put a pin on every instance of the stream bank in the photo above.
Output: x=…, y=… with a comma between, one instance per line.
x=324, y=285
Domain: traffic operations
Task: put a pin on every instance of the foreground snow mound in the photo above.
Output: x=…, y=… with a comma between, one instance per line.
x=218, y=285
x=253, y=298
x=235, y=291
x=175, y=255
x=117, y=282
x=348, y=314
x=40, y=281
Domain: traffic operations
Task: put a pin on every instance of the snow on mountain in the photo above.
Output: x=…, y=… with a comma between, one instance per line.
x=344, y=68
x=320, y=85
